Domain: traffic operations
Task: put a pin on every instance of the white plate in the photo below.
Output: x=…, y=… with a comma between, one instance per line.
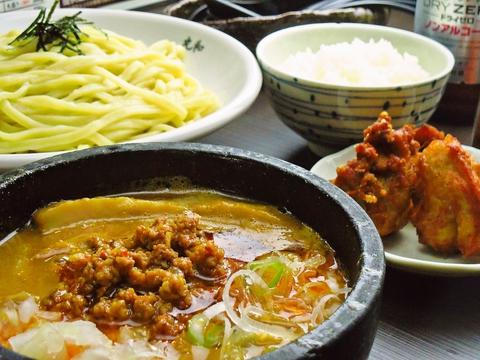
x=225, y=66
x=403, y=250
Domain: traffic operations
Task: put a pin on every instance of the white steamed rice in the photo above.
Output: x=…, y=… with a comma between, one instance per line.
x=357, y=63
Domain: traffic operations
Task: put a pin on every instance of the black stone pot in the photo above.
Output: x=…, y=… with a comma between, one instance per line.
x=349, y=332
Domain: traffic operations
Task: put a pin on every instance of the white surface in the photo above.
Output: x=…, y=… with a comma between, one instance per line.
x=225, y=66
x=403, y=250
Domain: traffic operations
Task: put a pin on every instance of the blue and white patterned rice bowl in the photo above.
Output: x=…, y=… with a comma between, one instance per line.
x=332, y=117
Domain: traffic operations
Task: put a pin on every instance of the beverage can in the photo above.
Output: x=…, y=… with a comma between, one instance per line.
x=455, y=24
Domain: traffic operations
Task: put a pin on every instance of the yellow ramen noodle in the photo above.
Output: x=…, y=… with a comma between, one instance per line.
x=118, y=90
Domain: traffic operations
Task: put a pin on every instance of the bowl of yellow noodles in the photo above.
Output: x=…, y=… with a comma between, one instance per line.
x=118, y=77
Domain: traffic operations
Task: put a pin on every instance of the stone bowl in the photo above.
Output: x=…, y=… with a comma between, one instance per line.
x=347, y=334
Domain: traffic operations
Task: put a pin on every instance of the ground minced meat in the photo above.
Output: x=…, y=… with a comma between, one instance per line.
x=140, y=279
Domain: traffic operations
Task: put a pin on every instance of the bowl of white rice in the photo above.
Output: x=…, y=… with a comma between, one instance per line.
x=328, y=82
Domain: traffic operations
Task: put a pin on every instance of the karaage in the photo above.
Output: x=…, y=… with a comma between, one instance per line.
x=382, y=177
x=447, y=199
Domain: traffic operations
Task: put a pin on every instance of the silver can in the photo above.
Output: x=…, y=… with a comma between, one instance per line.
x=455, y=24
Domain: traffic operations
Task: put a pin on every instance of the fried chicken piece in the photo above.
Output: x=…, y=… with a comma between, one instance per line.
x=425, y=134
x=382, y=177
x=447, y=199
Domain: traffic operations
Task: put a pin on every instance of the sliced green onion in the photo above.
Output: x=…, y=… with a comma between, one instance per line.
x=213, y=335
x=280, y=270
x=196, y=329
x=202, y=334
x=275, y=264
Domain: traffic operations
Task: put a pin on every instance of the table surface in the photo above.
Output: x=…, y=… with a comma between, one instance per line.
x=422, y=317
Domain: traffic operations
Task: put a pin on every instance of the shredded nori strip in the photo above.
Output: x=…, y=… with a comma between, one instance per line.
x=64, y=32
